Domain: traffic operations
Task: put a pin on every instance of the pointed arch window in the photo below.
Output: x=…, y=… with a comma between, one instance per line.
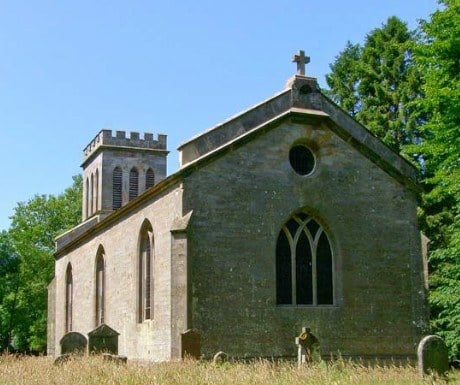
x=145, y=273
x=304, y=263
x=68, y=298
x=133, y=183
x=149, y=178
x=91, y=195
x=100, y=287
x=87, y=203
x=96, y=191
x=116, y=183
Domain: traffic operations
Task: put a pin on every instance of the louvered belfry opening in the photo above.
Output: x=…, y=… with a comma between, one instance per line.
x=149, y=178
x=116, y=180
x=133, y=183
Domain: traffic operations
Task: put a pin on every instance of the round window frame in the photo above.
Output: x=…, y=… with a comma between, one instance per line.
x=310, y=152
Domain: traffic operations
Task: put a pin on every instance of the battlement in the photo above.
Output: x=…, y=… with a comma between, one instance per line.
x=120, y=139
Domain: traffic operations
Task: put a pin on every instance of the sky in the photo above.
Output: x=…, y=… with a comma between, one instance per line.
x=71, y=68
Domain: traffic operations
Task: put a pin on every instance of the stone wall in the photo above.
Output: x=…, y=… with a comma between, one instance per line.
x=151, y=339
x=240, y=202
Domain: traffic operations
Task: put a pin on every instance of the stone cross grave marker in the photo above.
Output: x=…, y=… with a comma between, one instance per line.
x=103, y=339
x=307, y=347
x=191, y=344
x=301, y=61
x=73, y=343
x=432, y=356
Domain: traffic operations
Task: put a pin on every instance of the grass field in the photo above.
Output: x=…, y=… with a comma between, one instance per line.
x=92, y=370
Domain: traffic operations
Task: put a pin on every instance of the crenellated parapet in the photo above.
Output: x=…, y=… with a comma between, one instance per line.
x=109, y=138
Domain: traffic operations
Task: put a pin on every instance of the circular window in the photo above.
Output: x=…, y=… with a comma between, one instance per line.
x=302, y=160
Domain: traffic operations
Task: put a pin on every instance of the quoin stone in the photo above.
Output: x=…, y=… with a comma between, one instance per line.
x=432, y=355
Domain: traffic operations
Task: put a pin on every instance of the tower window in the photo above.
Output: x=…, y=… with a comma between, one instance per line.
x=304, y=263
x=116, y=181
x=149, y=178
x=133, y=183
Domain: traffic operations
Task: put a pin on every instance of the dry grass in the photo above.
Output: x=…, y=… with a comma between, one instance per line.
x=92, y=370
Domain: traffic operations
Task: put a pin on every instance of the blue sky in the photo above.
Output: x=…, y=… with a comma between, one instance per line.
x=71, y=68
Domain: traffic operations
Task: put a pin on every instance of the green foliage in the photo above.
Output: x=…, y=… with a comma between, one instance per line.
x=378, y=83
x=439, y=59
x=9, y=280
x=344, y=79
x=34, y=226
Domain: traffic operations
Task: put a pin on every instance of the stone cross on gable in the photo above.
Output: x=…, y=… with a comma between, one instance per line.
x=301, y=60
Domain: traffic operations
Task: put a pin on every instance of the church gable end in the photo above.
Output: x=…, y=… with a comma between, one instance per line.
x=288, y=215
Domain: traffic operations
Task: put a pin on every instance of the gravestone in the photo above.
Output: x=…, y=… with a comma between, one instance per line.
x=73, y=343
x=191, y=344
x=114, y=358
x=432, y=356
x=103, y=339
x=307, y=347
x=220, y=357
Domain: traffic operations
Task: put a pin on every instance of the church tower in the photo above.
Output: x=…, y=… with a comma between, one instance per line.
x=116, y=169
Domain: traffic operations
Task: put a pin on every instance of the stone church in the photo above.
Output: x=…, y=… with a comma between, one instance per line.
x=289, y=214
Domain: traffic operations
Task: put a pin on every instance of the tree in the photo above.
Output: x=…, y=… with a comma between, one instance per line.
x=439, y=59
x=9, y=284
x=34, y=226
x=378, y=83
x=344, y=79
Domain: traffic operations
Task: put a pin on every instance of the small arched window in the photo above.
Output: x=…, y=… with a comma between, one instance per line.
x=100, y=286
x=91, y=195
x=145, y=272
x=304, y=263
x=68, y=298
x=133, y=183
x=116, y=183
x=87, y=202
x=96, y=191
x=149, y=178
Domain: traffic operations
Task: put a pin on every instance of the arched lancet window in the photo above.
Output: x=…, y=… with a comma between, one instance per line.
x=116, y=185
x=96, y=191
x=100, y=286
x=304, y=263
x=145, y=272
x=149, y=178
x=87, y=203
x=133, y=183
x=91, y=195
x=68, y=298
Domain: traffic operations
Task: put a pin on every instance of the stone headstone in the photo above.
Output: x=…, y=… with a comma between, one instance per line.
x=103, y=339
x=62, y=359
x=191, y=344
x=432, y=356
x=220, y=357
x=114, y=358
x=308, y=348
x=74, y=343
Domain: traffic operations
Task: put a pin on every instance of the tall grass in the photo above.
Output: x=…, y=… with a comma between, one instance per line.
x=93, y=370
